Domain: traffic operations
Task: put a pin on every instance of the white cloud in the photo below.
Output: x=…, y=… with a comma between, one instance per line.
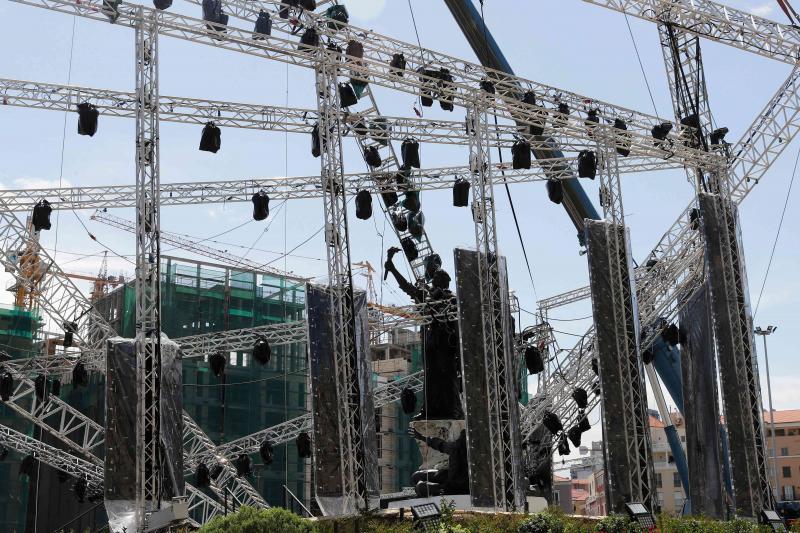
x=763, y=10
x=365, y=9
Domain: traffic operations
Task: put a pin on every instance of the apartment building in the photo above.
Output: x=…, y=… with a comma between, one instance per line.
x=786, y=462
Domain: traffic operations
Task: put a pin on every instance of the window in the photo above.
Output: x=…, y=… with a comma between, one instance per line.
x=676, y=479
x=788, y=492
x=787, y=471
x=244, y=359
x=784, y=451
x=380, y=446
x=780, y=432
x=683, y=438
x=556, y=494
x=232, y=358
x=658, y=480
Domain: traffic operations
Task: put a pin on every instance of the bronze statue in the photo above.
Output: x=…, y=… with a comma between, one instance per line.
x=440, y=342
x=451, y=480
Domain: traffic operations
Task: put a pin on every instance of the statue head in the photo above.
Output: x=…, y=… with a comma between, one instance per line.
x=441, y=280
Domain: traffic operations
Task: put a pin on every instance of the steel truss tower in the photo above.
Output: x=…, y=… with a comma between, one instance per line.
x=507, y=487
x=148, y=304
x=626, y=435
x=345, y=357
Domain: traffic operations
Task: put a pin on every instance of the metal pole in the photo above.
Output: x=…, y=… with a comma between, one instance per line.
x=764, y=333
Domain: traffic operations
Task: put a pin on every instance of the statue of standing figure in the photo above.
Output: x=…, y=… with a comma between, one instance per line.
x=440, y=341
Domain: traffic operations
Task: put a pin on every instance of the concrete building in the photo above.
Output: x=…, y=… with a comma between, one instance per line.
x=668, y=483
x=580, y=492
x=786, y=463
x=562, y=493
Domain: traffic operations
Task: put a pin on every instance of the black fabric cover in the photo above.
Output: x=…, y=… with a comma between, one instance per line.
x=242, y=464
x=202, y=477
x=389, y=197
x=411, y=201
x=40, y=387
x=309, y=5
x=574, y=435
x=372, y=156
x=555, y=191
x=354, y=49
x=671, y=334
x=410, y=153
x=309, y=39
x=260, y=205
x=529, y=98
x=660, y=131
x=563, y=445
x=303, y=445
x=363, y=205
x=316, y=150
x=583, y=423
x=80, y=376
x=592, y=119
x=416, y=224
x=521, y=154
x=587, y=164
x=399, y=221
x=211, y=139
x=55, y=387
x=461, y=193
x=487, y=86
x=558, y=121
x=432, y=263
x=27, y=466
x=408, y=400
x=409, y=248
x=398, y=64
x=266, y=452
x=347, y=96
x=6, y=386
x=162, y=4
x=41, y=215
x=263, y=26
x=262, y=352
x=444, y=84
x=533, y=360
x=87, y=119
x=552, y=422
x=217, y=361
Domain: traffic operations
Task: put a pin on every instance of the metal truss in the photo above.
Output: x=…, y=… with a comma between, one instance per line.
x=186, y=244
x=719, y=23
x=340, y=280
x=200, y=506
x=565, y=298
x=498, y=350
x=375, y=68
x=148, y=280
x=289, y=430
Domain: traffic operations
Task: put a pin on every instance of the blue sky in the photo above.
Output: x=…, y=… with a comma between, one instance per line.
x=565, y=43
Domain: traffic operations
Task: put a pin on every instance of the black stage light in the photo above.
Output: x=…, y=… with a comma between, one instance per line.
x=671, y=335
x=263, y=26
x=408, y=400
x=70, y=328
x=40, y=387
x=596, y=388
x=41, y=215
x=309, y=39
x=574, y=435
x=80, y=376
x=718, y=136
x=87, y=119
x=347, y=96
x=62, y=476
x=316, y=148
x=399, y=220
x=308, y=5
x=581, y=397
x=409, y=248
x=555, y=191
x=561, y=119
x=521, y=154
x=363, y=205
x=411, y=201
x=216, y=471
x=444, y=85
x=243, y=465
x=660, y=131
x=354, y=49
x=416, y=224
x=55, y=387
x=211, y=138
x=337, y=13
x=266, y=452
x=583, y=424
x=461, y=192
x=563, y=445
x=389, y=196
x=398, y=64
x=262, y=352
x=529, y=98
x=162, y=4
x=303, y=445
x=372, y=156
x=694, y=219
x=552, y=422
x=80, y=490
x=260, y=205
x=624, y=144
x=6, y=386
x=217, y=361
x=3, y=453
x=595, y=366
x=587, y=164
x=409, y=151
x=648, y=355
x=693, y=132
x=487, y=86
x=592, y=119
x=533, y=360
x=202, y=477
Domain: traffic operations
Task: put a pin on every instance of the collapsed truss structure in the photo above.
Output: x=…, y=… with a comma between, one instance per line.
x=674, y=268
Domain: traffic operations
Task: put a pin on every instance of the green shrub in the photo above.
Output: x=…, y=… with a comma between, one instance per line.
x=616, y=523
x=249, y=520
x=545, y=522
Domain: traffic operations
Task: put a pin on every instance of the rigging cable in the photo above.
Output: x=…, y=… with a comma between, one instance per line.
x=777, y=236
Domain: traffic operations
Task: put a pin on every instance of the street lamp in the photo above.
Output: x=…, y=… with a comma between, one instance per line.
x=764, y=333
